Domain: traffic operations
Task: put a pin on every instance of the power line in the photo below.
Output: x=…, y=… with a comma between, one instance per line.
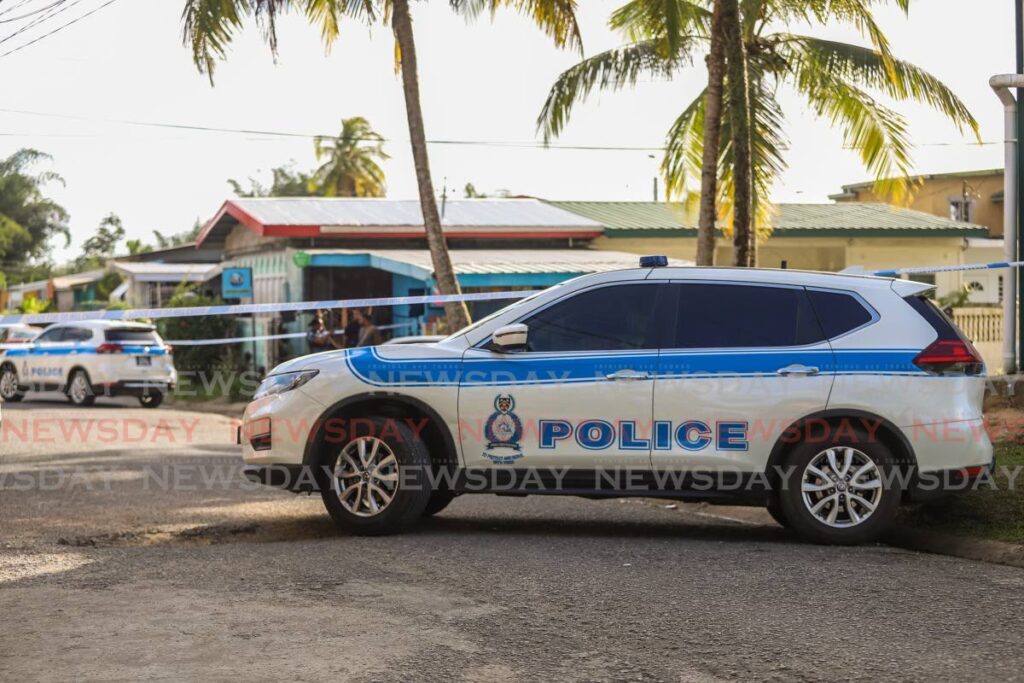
x=32, y=13
x=472, y=143
x=40, y=20
x=59, y=28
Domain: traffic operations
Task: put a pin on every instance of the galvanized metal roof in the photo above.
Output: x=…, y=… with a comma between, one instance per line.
x=168, y=272
x=789, y=220
x=502, y=261
x=492, y=213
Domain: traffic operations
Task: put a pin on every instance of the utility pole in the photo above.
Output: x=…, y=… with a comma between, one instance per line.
x=1019, y=26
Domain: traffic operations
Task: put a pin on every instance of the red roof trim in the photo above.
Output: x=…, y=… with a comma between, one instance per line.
x=229, y=208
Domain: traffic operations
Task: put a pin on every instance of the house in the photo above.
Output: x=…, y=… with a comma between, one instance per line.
x=309, y=249
x=16, y=295
x=78, y=291
x=971, y=196
x=828, y=237
x=152, y=284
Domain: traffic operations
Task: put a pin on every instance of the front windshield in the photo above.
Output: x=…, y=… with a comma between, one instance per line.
x=500, y=311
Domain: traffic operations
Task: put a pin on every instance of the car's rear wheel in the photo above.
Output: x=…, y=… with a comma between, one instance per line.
x=152, y=399
x=9, y=390
x=439, y=500
x=79, y=389
x=842, y=492
x=376, y=484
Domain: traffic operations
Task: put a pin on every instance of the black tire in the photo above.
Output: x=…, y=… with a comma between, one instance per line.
x=775, y=510
x=439, y=500
x=151, y=400
x=410, y=497
x=885, y=497
x=9, y=389
x=87, y=397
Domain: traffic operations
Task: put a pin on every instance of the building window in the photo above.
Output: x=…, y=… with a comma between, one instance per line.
x=961, y=209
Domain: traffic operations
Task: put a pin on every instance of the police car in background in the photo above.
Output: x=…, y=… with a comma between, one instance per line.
x=828, y=398
x=88, y=359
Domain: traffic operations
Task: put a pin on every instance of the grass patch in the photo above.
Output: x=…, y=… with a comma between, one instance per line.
x=984, y=513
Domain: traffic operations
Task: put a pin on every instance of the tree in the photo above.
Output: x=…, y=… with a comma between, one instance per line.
x=210, y=25
x=712, y=131
x=351, y=168
x=739, y=119
x=836, y=80
x=470, y=192
x=285, y=182
x=102, y=245
x=28, y=219
x=137, y=247
x=179, y=238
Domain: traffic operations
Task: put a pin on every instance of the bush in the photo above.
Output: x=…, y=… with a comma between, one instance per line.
x=207, y=358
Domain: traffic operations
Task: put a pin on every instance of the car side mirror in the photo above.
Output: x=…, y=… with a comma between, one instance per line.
x=509, y=338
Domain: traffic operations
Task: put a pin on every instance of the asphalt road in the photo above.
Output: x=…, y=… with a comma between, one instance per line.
x=136, y=551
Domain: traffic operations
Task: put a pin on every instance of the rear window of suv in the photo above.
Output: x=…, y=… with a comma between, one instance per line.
x=838, y=313
x=936, y=317
x=132, y=335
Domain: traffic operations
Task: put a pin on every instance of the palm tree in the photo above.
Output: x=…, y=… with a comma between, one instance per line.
x=712, y=132
x=836, y=79
x=210, y=25
x=739, y=119
x=28, y=218
x=351, y=169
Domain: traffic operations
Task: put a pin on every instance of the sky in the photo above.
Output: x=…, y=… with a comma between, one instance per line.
x=482, y=81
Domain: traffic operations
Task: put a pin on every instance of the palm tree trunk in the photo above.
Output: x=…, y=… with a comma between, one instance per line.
x=712, y=132
x=739, y=117
x=456, y=312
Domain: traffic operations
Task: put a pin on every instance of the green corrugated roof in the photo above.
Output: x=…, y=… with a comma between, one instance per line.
x=808, y=220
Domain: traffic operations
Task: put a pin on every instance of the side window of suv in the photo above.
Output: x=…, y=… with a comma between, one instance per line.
x=51, y=335
x=76, y=334
x=733, y=316
x=612, y=318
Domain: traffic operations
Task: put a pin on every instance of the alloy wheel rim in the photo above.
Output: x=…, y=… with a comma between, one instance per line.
x=841, y=487
x=79, y=389
x=366, y=476
x=8, y=384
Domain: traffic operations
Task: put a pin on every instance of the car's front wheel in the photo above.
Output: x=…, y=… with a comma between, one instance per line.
x=841, y=492
x=9, y=390
x=79, y=389
x=377, y=483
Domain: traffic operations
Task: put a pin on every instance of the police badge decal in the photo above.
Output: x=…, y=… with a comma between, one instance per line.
x=503, y=431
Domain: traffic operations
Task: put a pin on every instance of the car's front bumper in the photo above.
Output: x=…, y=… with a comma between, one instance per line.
x=275, y=429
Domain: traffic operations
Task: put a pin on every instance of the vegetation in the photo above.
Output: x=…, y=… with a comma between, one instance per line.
x=210, y=26
x=839, y=82
x=285, y=182
x=101, y=245
x=350, y=167
x=28, y=218
x=179, y=238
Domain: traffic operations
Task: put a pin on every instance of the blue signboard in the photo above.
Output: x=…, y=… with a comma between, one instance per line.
x=236, y=283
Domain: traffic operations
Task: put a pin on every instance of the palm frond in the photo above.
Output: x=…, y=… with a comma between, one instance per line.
x=557, y=18
x=867, y=68
x=671, y=21
x=684, y=148
x=208, y=26
x=611, y=70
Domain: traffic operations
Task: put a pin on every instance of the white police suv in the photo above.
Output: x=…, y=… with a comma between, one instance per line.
x=828, y=398
x=88, y=359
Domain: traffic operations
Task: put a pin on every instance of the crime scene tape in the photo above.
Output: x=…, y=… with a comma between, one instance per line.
x=261, y=337
x=242, y=309
x=437, y=299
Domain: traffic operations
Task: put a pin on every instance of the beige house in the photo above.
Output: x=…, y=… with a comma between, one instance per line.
x=972, y=196
x=828, y=237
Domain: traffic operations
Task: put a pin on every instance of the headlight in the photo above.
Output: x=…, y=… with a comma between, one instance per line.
x=286, y=381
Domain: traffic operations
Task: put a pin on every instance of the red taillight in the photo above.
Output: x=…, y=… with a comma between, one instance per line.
x=109, y=348
x=946, y=355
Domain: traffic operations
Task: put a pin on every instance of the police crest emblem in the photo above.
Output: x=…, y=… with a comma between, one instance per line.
x=503, y=432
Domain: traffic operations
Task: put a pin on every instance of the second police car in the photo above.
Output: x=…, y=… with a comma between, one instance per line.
x=88, y=359
x=829, y=398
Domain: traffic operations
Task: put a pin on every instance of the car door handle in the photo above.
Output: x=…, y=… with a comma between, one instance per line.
x=628, y=375
x=797, y=369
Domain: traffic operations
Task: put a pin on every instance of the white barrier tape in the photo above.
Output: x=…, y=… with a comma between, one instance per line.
x=242, y=309
x=943, y=269
x=263, y=337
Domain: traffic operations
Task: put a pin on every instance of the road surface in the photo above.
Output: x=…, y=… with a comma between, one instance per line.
x=136, y=551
